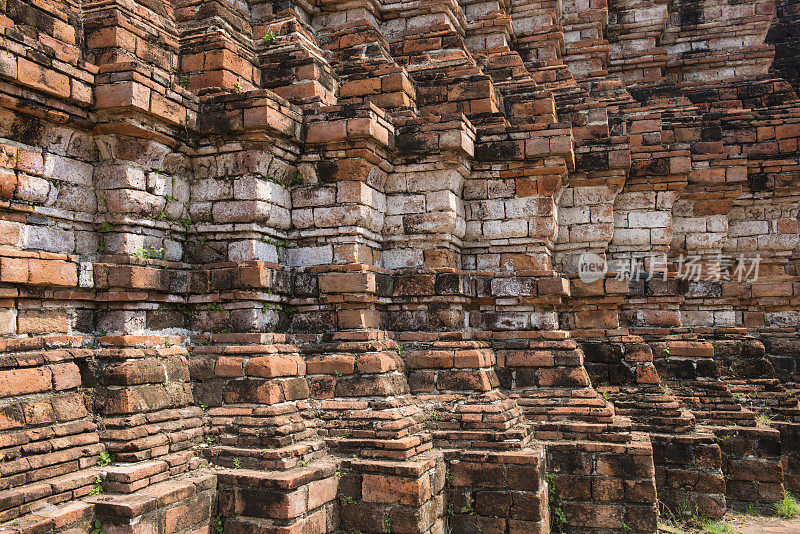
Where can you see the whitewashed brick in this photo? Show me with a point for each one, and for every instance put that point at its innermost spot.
(308, 256)
(402, 258)
(67, 169)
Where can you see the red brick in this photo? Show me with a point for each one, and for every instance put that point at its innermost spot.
(22, 381)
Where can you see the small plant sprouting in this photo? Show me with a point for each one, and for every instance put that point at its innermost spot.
(268, 37)
(98, 486)
(345, 500)
(277, 243)
(337, 374)
(149, 252)
(203, 407)
(387, 524)
(186, 223)
(219, 524)
(170, 198)
(237, 463)
(184, 82)
(97, 527)
(467, 508)
(558, 518)
(209, 440)
(401, 350)
(106, 227)
(302, 463)
(626, 527)
(214, 306)
(238, 87)
(106, 458)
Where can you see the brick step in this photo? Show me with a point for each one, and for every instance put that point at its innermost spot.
(617, 432)
(699, 404)
(316, 522)
(377, 448)
(646, 402)
(744, 415)
(264, 437)
(503, 425)
(266, 458)
(128, 478)
(278, 480)
(563, 400)
(663, 424)
(555, 413)
(22, 500)
(517, 435)
(283, 498)
(651, 409)
(712, 32)
(75, 515)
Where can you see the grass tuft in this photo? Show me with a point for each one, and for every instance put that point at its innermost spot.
(788, 507)
(717, 527)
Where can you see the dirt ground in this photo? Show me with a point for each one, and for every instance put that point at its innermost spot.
(745, 524)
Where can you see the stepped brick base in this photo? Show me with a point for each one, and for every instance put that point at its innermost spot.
(393, 496)
(497, 491)
(299, 500)
(182, 505)
(604, 486)
(689, 476)
(752, 465)
(790, 454)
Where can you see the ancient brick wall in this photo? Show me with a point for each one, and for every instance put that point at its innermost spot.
(292, 266)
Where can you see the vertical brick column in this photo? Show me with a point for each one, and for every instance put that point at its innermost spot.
(347, 189)
(391, 478)
(425, 218)
(51, 444)
(291, 60)
(144, 398)
(496, 470)
(216, 52)
(275, 469)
